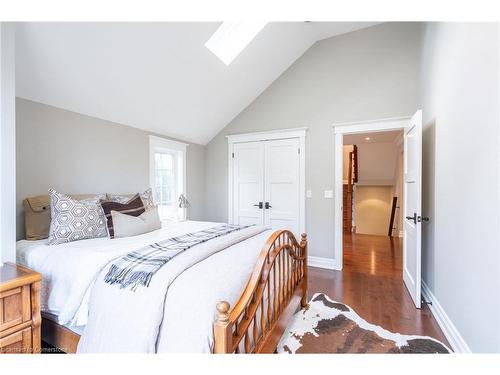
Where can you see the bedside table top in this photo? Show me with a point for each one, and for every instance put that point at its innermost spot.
(14, 275)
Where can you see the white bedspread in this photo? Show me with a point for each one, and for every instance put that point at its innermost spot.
(180, 322)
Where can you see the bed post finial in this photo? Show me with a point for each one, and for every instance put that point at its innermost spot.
(222, 312)
(303, 239)
(222, 328)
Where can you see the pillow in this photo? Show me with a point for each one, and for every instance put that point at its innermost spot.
(134, 207)
(36, 217)
(126, 225)
(37, 214)
(73, 220)
(147, 198)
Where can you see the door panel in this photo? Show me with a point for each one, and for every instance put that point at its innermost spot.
(412, 207)
(281, 184)
(248, 183)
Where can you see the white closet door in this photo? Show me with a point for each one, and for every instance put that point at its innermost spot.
(281, 184)
(248, 183)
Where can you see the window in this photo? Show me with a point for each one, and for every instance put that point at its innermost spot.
(232, 37)
(165, 177)
(168, 176)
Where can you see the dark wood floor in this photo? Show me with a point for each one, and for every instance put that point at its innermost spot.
(371, 282)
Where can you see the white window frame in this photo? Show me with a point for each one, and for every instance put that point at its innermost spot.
(178, 150)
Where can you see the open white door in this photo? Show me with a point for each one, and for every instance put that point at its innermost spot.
(413, 207)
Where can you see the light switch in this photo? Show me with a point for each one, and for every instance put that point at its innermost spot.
(329, 194)
(309, 194)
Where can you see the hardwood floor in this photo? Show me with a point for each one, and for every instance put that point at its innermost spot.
(372, 284)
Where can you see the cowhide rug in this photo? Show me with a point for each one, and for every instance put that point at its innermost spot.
(332, 327)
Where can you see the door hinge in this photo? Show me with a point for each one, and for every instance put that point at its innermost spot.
(233, 155)
(299, 150)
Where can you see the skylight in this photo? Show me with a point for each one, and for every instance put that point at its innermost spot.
(232, 37)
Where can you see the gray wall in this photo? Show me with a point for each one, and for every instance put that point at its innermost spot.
(76, 154)
(461, 187)
(364, 75)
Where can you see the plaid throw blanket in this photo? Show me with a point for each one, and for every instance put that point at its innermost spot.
(138, 267)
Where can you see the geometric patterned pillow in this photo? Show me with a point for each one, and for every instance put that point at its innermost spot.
(73, 220)
(147, 198)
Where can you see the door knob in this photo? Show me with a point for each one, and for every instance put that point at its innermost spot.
(260, 205)
(268, 206)
(414, 218)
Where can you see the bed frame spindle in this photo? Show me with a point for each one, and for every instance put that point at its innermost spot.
(273, 293)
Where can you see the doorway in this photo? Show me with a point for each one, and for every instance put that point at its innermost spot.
(372, 203)
(373, 183)
(410, 205)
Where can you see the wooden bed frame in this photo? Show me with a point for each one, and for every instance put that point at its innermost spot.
(276, 289)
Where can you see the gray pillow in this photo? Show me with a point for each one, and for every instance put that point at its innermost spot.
(73, 220)
(146, 197)
(127, 225)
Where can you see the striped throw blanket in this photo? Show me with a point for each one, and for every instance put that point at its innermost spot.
(138, 267)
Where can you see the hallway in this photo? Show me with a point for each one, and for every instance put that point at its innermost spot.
(371, 283)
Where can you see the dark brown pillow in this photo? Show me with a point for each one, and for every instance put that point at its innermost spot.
(133, 207)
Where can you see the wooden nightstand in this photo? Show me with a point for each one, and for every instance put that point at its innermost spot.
(19, 309)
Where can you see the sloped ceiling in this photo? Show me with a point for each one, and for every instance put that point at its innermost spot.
(156, 76)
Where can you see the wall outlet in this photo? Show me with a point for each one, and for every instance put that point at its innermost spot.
(329, 194)
(309, 194)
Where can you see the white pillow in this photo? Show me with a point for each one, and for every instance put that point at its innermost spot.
(127, 225)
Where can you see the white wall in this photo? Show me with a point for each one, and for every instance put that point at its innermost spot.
(372, 209)
(461, 177)
(377, 163)
(364, 75)
(7, 145)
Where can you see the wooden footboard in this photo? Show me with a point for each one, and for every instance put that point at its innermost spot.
(277, 287)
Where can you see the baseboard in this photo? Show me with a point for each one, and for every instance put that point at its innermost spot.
(326, 263)
(451, 332)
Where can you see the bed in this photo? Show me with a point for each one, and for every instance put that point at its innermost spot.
(237, 298)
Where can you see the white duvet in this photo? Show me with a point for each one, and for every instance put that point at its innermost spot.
(185, 324)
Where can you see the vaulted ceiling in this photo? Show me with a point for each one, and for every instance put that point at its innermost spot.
(156, 76)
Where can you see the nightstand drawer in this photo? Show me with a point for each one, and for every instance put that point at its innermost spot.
(17, 343)
(15, 307)
(19, 309)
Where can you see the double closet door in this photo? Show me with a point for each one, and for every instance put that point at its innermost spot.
(266, 184)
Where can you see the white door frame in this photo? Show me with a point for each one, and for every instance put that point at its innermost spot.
(340, 129)
(299, 133)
